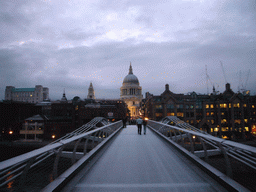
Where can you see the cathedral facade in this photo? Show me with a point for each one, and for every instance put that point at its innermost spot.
(130, 93)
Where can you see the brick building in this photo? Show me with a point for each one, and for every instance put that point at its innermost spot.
(226, 114)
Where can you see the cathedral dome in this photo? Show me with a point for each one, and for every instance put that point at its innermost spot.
(130, 78)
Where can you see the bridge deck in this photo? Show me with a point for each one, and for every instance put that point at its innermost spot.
(142, 163)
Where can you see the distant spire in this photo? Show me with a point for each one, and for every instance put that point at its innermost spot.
(64, 99)
(130, 70)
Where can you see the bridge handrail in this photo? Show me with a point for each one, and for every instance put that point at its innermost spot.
(219, 140)
(18, 166)
(10, 162)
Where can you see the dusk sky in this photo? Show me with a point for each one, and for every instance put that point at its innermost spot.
(69, 43)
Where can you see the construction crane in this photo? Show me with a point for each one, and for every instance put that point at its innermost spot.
(223, 72)
(208, 79)
(243, 86)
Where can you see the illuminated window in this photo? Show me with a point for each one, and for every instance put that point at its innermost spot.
(159, 114)
(159, 107)
(191, 122)
(179, 114)
(245, 120)
(224, 129)
(212, 106)
(245, 105)
(229, 105)
(211, 129)
(207, 114)
(187, 121)
(222, 113)
(237, 121)
(170, 114)
(246, 128)
(237, 105)
(223, 120)
(252, 106)
(216, 129)
(207, 106)
(212, 121)
(224, 105)
(212, 113)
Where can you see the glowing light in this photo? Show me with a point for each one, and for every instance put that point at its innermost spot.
(53, 136)
(10, 132)
(194, 136)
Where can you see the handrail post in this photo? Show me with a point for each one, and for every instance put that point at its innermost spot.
(74, 151)
(205, 149)
(228, 165)
(25, 171)
(56, 162)
(191, 143)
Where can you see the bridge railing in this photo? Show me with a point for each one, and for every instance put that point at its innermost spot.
(20, 169)
(204, 145)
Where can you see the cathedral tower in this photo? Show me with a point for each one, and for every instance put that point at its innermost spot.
(91, 94)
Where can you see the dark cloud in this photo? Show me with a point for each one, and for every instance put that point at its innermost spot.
(59, 44)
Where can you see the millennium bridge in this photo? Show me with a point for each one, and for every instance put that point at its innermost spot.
(103, 156)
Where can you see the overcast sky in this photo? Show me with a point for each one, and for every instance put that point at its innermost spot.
(69, 43)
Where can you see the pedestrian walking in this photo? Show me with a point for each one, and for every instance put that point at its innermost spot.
(139, 124)
(145, 122)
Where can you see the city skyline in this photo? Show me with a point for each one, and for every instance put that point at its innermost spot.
(68, 44)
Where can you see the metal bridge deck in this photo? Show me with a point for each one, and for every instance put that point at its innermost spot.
(142, 163)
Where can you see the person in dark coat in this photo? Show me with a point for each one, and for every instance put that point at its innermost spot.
(145, 122)
(124, 122)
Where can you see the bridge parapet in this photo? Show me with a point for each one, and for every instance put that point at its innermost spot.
(204, 145)
(20, 170)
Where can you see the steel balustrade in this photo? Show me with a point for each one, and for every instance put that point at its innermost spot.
(211, 145)
(86, 137)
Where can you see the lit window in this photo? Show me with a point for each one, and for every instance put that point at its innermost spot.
(207, 114)
(191, 122)
(159, 106)
(237, 105)
(212, 106)
(246, 128)
(159, 114)
(252, 106)
(245, 105)
(237, 121)
(212, 113)
(180, 114)
(222, 113)
(223, 105)
(245, 120)
(207, 106)
(229, 105)
(223, 120)
(224, 129)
